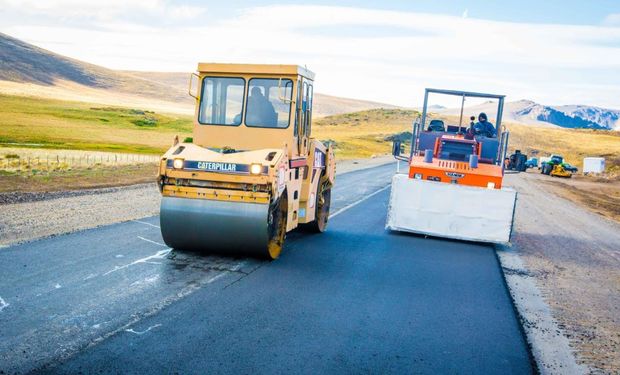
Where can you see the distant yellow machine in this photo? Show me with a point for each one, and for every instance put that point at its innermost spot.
(252, 171)
(559, 171)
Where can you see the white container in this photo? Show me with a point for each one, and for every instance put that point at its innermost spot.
(593, 165)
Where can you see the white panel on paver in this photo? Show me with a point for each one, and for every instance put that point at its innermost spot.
(451, 211)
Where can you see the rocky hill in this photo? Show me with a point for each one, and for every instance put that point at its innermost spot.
(532, 113)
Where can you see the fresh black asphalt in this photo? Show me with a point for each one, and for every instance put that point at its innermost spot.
(356, 299)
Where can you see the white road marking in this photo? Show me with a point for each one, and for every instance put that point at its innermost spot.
(343, 209)
(145, 223)
(159, 255)
(151, 241)
(142, 332)
(3, 304)
(189, 289)
(90, 276)
(218, 276)
(57, 286)
(237, 266)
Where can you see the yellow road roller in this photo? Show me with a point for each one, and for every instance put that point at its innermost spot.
(251, 173)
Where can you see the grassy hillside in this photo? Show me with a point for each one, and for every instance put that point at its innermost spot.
(366, 133)
(72, 125)
(47, 123)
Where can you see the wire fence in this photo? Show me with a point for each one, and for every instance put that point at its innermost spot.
(38, 162)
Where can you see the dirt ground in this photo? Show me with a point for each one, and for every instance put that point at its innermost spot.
(75, 179)
(574, 255)
(599, 195)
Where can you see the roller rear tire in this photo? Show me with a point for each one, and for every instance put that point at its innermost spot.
(278, 215)
(323, 202)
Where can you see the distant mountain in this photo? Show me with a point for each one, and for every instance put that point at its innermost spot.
(21, 62)
(32, 71)
(532, 113)
(606, 118)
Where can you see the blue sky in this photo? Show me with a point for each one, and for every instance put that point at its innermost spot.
(572, 12)
(553, 52)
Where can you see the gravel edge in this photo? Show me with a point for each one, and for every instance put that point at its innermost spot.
(24, 197)
(548, 343)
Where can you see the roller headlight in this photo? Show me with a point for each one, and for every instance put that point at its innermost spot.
(256, 168)
(417, 176)
(491, 185)
(178, 163)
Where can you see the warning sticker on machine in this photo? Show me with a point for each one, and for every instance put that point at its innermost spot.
(319, 159)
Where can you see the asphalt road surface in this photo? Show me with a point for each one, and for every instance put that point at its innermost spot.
(355, 299)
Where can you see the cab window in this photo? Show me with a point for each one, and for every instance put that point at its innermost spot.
(304, 109)
(297, 109)
(269, 103)
(221, 101)
(309, 113)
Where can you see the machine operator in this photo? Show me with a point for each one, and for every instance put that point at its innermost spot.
(260, 110)
(482, 127)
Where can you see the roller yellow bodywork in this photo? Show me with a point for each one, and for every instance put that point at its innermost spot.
(255, 178)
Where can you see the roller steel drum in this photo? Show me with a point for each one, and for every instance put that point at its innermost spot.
(228, 228)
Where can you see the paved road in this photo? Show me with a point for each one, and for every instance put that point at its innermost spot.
(355, 299)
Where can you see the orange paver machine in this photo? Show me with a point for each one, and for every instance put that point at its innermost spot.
(454, 187)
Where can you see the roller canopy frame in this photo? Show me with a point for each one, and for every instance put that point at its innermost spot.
(503, 136)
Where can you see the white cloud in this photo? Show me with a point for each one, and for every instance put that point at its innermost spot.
(70, 7)
(109, 10)
(534, 61)
(612, 20)
(182, 12)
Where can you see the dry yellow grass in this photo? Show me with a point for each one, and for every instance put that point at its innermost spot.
(363, 134)
(72, 125)
(573, 144)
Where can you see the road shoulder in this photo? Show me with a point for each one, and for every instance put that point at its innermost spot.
(563, 271)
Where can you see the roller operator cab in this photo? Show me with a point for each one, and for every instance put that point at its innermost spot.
(252, 172)
(454, 183)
